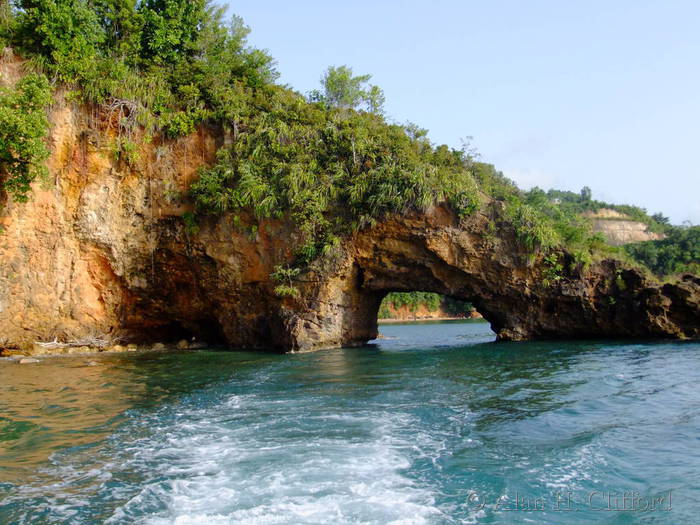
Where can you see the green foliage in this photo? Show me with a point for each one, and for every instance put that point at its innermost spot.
(494, 183)
(122, 25)
(7, 24)
(414, 300)
(286, 291)
(586, 194)
(552, 269)
(619, 281)
(331, 170)
(285, 276)
(165, 65)
(170, 29)
(542, 224)
(65, 35)
(457, 308)
(532, 227)
(181, 123)
(384, 311)
(23, 126)
(578, 203)
(126, 151)
(190, 220)
(174, 63)
(342, 89)
(661, 219)
(678, 253)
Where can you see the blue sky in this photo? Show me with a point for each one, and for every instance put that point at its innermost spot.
(555, 93)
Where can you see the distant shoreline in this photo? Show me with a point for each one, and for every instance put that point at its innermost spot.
(428, 319)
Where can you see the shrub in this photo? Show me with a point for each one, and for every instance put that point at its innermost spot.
(285, 276)
(331, 170)
(23, 126)
(552, 269)
(286, 291)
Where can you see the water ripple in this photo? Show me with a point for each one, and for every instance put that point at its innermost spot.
(434, 425)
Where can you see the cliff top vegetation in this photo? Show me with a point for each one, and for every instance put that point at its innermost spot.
(330, 160)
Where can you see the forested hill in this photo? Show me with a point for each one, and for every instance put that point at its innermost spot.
(677, 252)
(330, 160)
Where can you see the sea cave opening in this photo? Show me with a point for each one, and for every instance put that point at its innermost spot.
(414, 316)
(416, 306)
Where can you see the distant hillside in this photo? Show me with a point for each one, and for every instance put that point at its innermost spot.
(620, 229)
(582, 203)
(423, 305)
(651, 240)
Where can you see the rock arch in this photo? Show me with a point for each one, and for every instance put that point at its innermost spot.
(435, 252)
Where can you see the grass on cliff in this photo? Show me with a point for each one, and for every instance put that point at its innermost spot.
(330, 161)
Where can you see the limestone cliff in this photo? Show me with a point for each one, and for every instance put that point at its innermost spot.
(101, 251)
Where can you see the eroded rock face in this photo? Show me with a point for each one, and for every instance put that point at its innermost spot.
(102, 252)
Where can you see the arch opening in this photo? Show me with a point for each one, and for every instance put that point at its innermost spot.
(424, 306)
(397, 304)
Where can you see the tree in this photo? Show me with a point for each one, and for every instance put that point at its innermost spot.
(6, 23)
(678, 252)
(223, 57)
(171, 28)
(341, 89)
(586, 194)
(122, 24)
(65, 34)
(660, 218)
(415, 132)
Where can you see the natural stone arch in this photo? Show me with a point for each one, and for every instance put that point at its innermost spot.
(482, 262)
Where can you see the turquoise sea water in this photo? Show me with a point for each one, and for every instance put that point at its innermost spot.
(433, 424)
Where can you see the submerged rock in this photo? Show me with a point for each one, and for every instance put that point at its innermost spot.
(28, 361)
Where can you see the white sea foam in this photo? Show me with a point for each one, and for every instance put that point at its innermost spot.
(570, 474)
(206, 468)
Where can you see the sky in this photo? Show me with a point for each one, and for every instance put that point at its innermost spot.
(560, 94)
